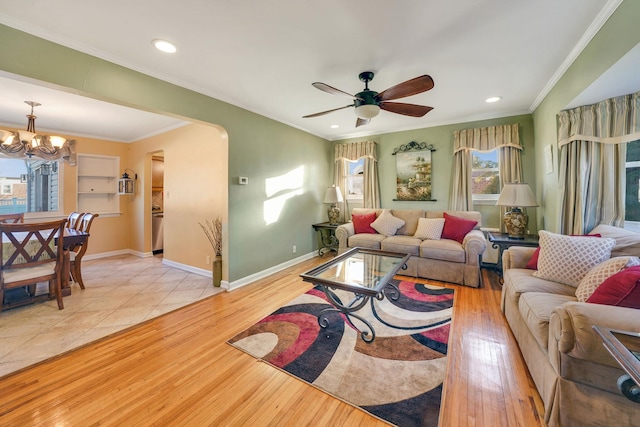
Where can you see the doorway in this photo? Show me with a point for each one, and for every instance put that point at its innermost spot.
(157, 203)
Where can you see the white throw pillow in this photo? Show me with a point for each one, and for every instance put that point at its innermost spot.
(387, 224)
(567, 259)
(429, 228)
(602, 272)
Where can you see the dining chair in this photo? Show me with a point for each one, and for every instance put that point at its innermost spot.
(73, 218)
(30, 255)
(16, 218)
(77, 251)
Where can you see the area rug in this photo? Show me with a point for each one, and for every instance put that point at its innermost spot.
(397, 377)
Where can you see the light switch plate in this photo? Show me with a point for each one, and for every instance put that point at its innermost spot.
(243, 180)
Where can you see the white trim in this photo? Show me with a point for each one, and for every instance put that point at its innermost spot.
(264, 273)
(189, 268)
(593, 29)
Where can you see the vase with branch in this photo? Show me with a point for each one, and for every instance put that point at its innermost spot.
(213, 230)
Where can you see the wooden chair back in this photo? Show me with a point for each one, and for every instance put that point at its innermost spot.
(78, 251)
(29, 255)
(17, 218)
(73, 218)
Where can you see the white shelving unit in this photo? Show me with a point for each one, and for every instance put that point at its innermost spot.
(98, 184)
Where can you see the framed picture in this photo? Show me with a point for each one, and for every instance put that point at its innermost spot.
(548, 159)
(413, 172)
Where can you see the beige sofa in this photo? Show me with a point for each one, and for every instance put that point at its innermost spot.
(444, 260)
(573, 372)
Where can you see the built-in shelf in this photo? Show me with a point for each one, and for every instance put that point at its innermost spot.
(98, 184)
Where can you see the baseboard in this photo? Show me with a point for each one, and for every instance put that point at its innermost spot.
(264, 273)
(229, 286)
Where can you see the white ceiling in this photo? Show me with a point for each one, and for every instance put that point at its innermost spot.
(263, 56)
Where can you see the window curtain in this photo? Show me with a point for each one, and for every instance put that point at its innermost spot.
(352, 151)
(506, 138)
(44, 151)
(592, 176)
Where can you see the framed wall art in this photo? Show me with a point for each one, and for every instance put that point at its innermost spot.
(414, 171)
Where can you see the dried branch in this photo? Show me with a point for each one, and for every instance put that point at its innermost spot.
(213, 230)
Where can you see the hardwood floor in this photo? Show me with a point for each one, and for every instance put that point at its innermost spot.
(178, 370)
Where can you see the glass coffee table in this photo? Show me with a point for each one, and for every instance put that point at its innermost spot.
(365, 273)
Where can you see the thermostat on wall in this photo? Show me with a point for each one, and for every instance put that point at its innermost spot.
(243, 180)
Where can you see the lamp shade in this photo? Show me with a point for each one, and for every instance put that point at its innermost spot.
(517, 195)
(333, 195)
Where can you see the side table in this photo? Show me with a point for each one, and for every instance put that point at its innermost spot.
(326, 234)
(502, 241)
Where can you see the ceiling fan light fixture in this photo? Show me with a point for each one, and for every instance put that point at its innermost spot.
(367, 111)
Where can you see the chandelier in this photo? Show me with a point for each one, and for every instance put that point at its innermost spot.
(28, 142)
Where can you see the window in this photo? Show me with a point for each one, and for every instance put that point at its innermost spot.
(485, 177)
(632, 198)
(30, 186)
(355, 180)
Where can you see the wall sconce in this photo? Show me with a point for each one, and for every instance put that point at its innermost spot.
(126, 184)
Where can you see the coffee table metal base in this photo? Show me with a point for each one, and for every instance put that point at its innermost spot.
(349, 310)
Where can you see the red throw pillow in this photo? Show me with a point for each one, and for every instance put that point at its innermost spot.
(455, 228)
(362, 223)
(621, 289)
(533, 262)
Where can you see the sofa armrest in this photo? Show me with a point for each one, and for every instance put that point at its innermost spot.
(343, 232)
(517, 257)
(570, 330)
(474, 245)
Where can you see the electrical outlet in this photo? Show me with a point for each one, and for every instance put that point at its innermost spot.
(294, 249)
(208, 259)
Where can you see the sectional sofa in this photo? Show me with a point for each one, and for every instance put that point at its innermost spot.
(432, 257)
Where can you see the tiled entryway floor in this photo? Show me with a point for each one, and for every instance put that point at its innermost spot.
(120, 292)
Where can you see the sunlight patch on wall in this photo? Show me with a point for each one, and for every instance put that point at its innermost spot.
(291, 182)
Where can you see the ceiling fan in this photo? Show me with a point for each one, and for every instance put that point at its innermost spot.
(368, 103)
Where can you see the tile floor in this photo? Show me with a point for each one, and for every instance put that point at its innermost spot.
(120, 291)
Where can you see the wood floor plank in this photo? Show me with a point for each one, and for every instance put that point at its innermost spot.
(178, 370)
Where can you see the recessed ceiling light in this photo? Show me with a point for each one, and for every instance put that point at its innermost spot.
(164, 46)
(493, 99)
(334, 126)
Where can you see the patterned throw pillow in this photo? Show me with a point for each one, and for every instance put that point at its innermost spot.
(567, 259)
(602, 272)
(387, 224)
(429, 228)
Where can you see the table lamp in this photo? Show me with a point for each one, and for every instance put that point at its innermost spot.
(516, 196)
(333, 196)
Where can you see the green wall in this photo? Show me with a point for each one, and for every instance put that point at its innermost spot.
(442, 159)
(619, 35)
(259, 148)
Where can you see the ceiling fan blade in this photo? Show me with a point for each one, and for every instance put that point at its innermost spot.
(329, 89)
(361, 122)
(326, 112)
(408, 88)
(406, 109)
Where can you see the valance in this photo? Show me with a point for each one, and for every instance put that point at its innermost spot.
(352, 151)
(487, 139)
(612, 121)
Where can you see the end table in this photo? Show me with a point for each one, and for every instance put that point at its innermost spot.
(326, 234)
(502, 241)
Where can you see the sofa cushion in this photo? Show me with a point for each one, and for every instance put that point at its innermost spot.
(535, 309)
(444, 250)
(602, 272)
(403, 244)
(366, 240)
(567, 259)
(429, 228)
(621, 289)
(387, 224)
(627, 242)
(455, 227)
(362, 222)
(522, 281)
(410, 218)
